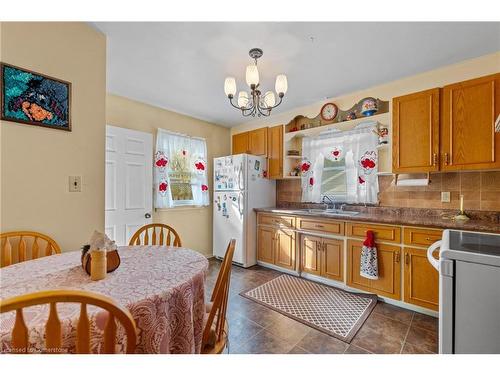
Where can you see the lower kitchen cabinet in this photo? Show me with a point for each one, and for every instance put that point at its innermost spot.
(276, 246)
(388, 283)
(322, 257)
(421, 280)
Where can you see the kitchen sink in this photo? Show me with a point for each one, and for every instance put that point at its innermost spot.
(332, 211)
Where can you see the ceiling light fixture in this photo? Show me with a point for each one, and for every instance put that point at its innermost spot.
(255, 103)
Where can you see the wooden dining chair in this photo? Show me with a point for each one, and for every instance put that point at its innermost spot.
(25, 245)
(215, 332)
(53, 327)
(161, 234)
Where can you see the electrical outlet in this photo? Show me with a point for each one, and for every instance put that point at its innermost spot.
(75, 184)
(445, 197)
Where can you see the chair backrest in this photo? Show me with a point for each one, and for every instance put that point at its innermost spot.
(24, 245)
(161, 234)
(53, 328)
(219, 298)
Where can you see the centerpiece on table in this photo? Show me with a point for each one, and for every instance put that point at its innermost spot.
(100, 256)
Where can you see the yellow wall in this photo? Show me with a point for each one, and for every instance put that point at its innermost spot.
(193, 224)
(464, 70)
(36, 161)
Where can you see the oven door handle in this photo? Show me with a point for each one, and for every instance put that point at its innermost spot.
(433, 261)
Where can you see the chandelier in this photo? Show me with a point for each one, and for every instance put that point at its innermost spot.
(255, 103)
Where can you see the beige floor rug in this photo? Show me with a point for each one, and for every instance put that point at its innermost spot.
(330, 310)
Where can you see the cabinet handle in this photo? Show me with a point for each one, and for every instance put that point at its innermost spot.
(324, 247)
(434, 159)
(407, 258)
(397, 258)
(319, 226)
(446, 162)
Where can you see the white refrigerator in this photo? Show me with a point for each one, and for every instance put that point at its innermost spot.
(240, 185)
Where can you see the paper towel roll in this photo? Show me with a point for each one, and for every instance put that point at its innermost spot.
(411, 180)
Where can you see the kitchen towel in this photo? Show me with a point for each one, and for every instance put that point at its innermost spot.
(369, 262)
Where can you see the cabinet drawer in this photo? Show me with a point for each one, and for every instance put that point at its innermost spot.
(316, 225)
(421, 236)
(384, 233)
(288, 221)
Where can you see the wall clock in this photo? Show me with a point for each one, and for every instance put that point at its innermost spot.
(329, 111)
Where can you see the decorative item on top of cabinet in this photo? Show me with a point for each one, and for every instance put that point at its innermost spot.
(388, 283)
(468, 137)
(415, 134)
(275, 152)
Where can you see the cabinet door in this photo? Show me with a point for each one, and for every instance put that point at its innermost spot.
(332, 262)
(467, 127)
(240, 143)
(421, 280)
(284, 255)
(265, 244)
(415, 136)
(257, 141)
(354, 279)
(389, 272)
(275, 152)
(311, 254)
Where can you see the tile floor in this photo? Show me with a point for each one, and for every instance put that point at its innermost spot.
(254, 328)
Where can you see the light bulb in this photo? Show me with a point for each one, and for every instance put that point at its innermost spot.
(269, 99)
(252, 75)
(242, 99)
(281, 84)
(230, 86)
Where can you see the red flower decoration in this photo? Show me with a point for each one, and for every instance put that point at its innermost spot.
(305, 167)
(311, 181)
(199, 166)
(361, 180)
(204, 188)
(163, 186)
(161, 162)
(336, 153)
(367, 163)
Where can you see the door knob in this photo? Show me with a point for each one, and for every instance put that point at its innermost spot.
(147, 215)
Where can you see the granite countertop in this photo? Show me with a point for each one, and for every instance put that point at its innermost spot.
(485, 221)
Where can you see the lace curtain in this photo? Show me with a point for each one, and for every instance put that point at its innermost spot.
(180, 170)
(358, 148)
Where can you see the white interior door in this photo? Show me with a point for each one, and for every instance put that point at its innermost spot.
(129, 182)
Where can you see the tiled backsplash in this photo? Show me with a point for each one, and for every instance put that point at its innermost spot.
(481, 191)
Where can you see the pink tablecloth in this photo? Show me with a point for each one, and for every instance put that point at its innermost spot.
(163, 288)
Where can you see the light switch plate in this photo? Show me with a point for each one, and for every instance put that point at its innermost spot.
(75, 184)
(445, 197)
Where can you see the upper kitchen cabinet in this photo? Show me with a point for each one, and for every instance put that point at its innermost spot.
(415, 122)
(240, 143)
(468, 137)
(253, 142)
(275, 152)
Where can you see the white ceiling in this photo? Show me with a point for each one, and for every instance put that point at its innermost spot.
(181, 66)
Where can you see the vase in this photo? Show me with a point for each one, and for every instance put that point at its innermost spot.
(98, 267)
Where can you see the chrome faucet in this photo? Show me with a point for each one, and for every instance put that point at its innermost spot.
(332, 203)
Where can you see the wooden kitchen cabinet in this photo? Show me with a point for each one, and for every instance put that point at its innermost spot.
(284, 248)
(257, 142)
(415, 135)
(388, 283)
(469, 110)
(275, 152)
(311, 254)
(241, 143)
(421, 280)
(252, 142)
(265, 244)
(322, 257)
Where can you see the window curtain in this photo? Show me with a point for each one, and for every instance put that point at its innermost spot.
(359, 149)
(175, 152)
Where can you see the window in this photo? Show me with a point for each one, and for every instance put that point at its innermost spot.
(180, 170)
(333, 181)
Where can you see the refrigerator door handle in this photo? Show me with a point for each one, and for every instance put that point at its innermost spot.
(239, 204)
(240, 177)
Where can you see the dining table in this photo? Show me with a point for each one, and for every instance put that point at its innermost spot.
(163, 287)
